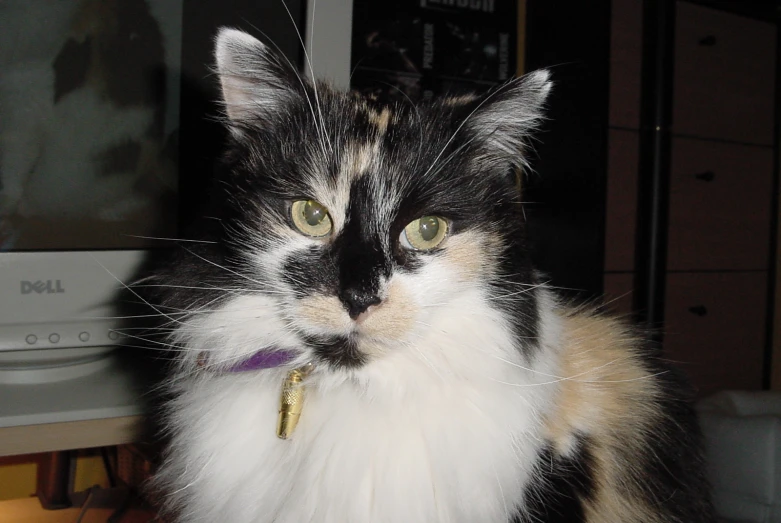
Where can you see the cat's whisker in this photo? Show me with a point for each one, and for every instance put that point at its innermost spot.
(190, 329)
(159, 343)
(256, 282)
(319, 122)
(527, 290)
(153, 349)
(575, 377)
(151, 329)
(130, 316)
(160, 238)
(314, 80)
(190, 287)
(628, 380)
(232, 291)
(517, 365)
(129, 289)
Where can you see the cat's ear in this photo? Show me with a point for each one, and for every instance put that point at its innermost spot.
(256, 82)
(504, 120)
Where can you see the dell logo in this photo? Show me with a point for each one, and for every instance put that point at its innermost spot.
(42, 287)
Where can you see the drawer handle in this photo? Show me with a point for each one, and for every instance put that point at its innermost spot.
(707, 176)
(699, 310)
(708, 41)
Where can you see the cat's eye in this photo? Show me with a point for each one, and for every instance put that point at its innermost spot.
(424, 233)
(311, 218)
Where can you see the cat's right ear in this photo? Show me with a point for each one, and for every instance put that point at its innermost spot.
(257, 83)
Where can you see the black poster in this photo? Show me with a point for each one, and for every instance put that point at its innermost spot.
(422, 48)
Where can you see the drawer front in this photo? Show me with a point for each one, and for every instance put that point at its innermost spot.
(715, 328)
(720, 201)
(724, 76)
(621, 200)
(618, 293)
(626, 51)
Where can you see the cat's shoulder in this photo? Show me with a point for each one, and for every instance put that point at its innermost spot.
(612, 381)
(625, 414)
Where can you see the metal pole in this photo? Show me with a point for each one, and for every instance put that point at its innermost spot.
(654, 175)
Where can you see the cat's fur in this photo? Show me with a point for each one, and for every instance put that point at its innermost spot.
(469, 394)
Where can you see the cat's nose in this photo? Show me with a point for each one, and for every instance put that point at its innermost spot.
(357, 301)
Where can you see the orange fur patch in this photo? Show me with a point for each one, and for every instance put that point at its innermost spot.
(356, 159)
(607, 394)
(380, 120)
(324, 311)
(394, 317)
(472, 253)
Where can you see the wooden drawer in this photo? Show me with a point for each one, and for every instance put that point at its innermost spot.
(626, 49)
(715, 328)
(720, 201)
(618, 292)
(621, 200)
(724, 76)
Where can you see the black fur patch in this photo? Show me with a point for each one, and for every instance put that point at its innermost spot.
(311, 271)
(673, 467)
(338, 352)
(560, 485)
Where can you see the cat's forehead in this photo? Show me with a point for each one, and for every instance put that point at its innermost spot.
(366, 173)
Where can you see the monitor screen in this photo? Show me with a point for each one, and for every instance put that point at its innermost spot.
(89, 123)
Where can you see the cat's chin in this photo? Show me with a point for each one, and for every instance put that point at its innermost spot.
(348, 352)
(338, 352)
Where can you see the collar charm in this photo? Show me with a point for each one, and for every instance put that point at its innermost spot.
(291, 397)
(291, 400)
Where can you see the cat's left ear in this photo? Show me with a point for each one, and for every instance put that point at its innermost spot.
(257, 83)
(505, 119)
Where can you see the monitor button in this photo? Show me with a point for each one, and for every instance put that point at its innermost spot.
(84, 336)
(31, 339)
(113, 335)
(54, 338)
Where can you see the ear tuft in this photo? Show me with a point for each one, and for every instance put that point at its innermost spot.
(507, 116)
(256, 82)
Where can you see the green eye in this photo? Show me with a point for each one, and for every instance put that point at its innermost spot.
(311, 218)
(424, 233)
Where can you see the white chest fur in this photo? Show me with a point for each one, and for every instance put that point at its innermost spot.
(452, 440)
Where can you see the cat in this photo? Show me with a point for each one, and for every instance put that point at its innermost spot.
(380, 249)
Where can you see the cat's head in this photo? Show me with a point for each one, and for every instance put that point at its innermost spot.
(374, 227)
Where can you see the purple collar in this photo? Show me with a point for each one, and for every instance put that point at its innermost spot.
(264, 359)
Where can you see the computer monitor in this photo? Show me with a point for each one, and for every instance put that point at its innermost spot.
(107, 130)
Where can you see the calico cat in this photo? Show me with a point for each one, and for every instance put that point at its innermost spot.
(379, 249)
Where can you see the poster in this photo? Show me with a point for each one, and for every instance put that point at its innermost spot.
(425, 48)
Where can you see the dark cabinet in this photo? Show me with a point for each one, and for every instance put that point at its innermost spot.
(721, 189)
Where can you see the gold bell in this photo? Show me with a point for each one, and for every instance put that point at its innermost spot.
(291, 401)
